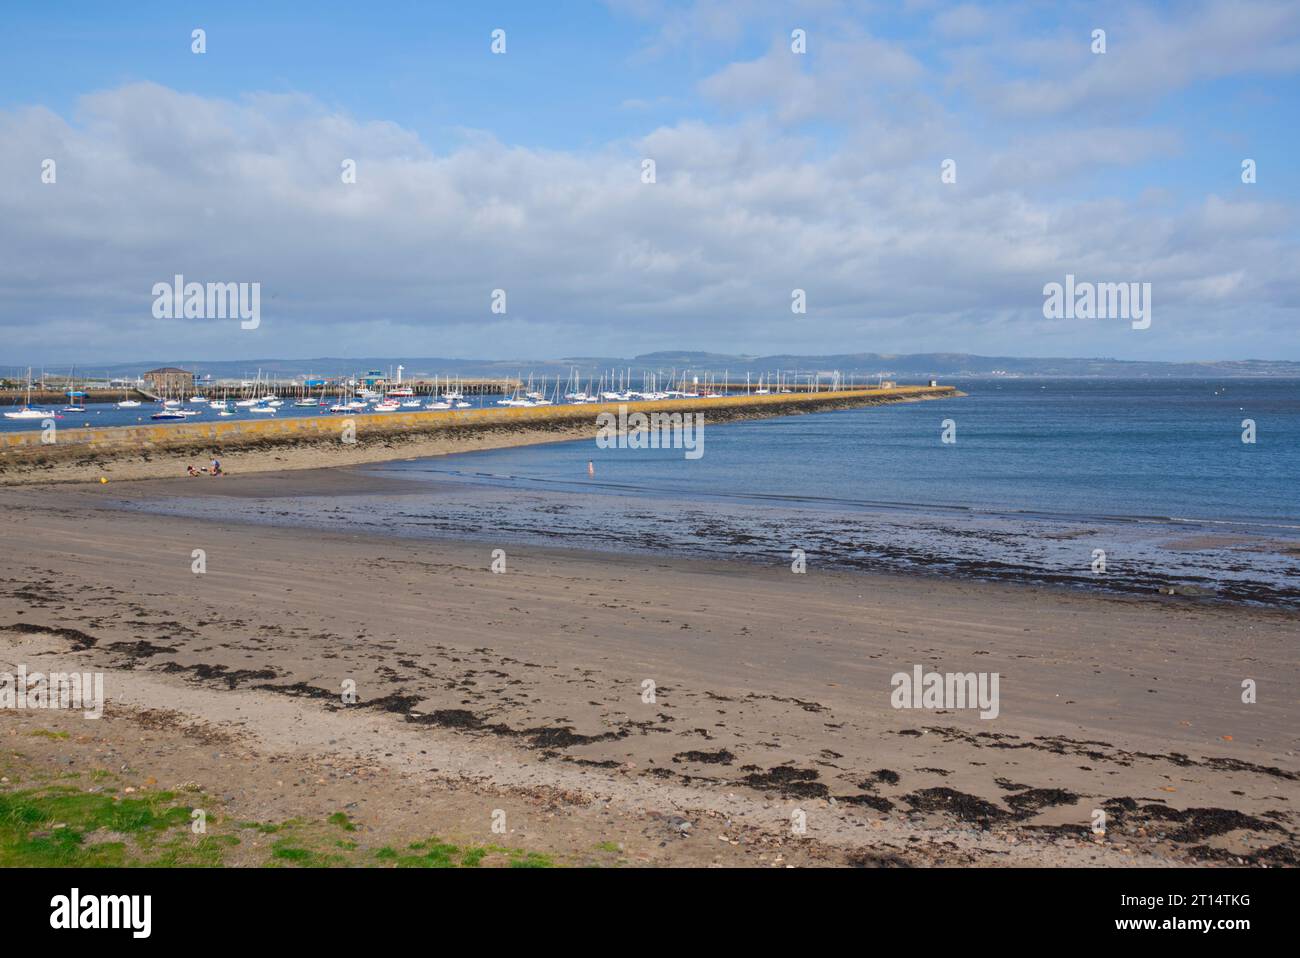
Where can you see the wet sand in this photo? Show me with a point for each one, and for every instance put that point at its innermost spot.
(771, 693)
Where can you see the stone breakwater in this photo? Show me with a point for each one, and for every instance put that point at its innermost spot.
(306, 442)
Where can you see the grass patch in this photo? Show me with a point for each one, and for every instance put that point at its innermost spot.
(473, 857)
(288, 851)
(342, 821)
(50, 827)
(434, 853)
(208, 852)
(53, 824)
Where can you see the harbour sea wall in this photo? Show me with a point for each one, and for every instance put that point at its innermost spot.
(303, 442)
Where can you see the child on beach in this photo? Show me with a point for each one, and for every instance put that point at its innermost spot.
(191, 470)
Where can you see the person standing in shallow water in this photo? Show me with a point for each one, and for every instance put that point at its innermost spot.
(591, 467)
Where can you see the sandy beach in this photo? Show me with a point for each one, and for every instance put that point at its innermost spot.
(769, 737)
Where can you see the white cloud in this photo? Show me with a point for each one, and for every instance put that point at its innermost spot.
(153, 182)
(1148, 56)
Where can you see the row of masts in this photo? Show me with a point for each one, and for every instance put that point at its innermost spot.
(687, 383)
(611, 382)
(608, 382)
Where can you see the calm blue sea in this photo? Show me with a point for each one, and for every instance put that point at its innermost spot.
(1165, 449)
(1041, 476)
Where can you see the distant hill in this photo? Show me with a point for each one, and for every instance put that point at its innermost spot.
(911, 366)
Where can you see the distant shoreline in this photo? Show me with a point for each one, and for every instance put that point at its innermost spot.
(862, 367)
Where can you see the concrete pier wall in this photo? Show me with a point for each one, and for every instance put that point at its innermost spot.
(320, 439)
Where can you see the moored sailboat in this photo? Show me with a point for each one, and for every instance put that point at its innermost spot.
(26, 411)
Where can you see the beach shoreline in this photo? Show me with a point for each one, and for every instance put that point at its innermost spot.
(437, 499)
(772, 693)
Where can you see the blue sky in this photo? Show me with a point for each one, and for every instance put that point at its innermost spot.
(570, 65)
(774, 171)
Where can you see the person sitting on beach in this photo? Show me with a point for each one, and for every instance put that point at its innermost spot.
(191, 470)
(215, 468)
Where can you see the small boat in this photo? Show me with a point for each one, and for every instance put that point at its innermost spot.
(438, 405)
(387, 406)
(411, 404)
(127, 402)
(304, 402)
(262, 409)
(197, 398)
(26, 411)
(462, 405)
(168, 414)
(225, 412)
(171, 403)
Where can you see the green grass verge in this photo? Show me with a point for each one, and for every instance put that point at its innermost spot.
(48, 822)
(60, 827)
